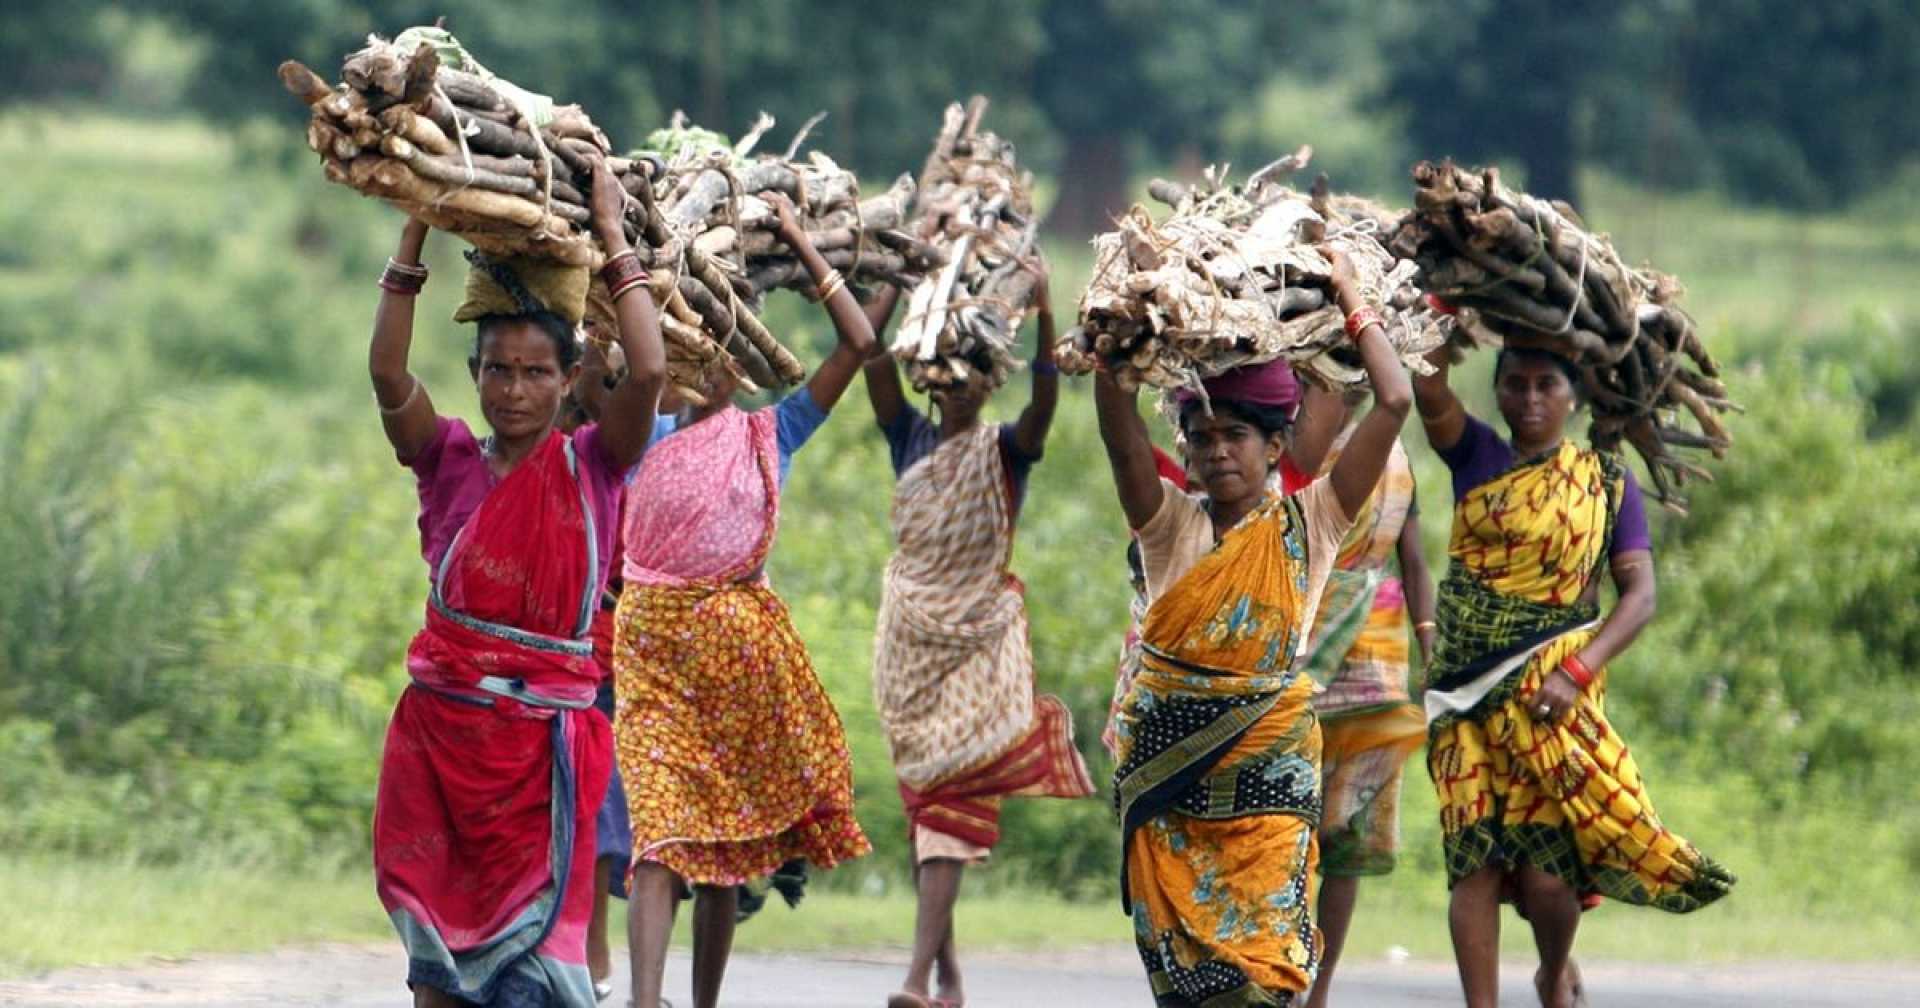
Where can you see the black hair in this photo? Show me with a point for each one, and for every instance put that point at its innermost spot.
(1536, 355)
(566, 349)
(1270, 420)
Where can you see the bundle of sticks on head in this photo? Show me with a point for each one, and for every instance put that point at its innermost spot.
(1235, 275)
(1525, 272)
(421, 124)
(963, 320)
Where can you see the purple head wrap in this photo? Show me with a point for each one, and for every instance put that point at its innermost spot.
(1270, 384)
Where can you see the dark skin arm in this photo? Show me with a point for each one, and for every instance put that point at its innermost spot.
(627, 412)
(406, 411)
(1633, 578)
(1358, 471)
(1030, 433)
(883, 375)
(1417, 581)
(1323, 412)
(1441, 411)
(850, 321)
(1129, 450)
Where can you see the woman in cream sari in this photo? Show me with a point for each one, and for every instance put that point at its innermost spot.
(953, 671)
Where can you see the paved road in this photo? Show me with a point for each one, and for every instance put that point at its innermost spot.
(361, 976)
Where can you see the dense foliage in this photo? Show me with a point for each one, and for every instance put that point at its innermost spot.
(211, 568)
(1794, 104)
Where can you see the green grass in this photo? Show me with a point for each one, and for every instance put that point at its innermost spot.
(68, 913)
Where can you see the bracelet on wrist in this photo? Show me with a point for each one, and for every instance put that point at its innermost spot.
(1360, 318)
(1576, 670)
(829, 286)
(405, 279)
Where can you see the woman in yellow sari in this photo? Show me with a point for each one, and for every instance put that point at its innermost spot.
(1218, 785)
(1539, 797)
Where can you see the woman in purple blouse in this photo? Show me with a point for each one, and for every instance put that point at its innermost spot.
(1539, 797)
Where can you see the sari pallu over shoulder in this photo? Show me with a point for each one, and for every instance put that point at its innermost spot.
(1525, 551)
(494, 762)
(1218, 784)
(1567, 796)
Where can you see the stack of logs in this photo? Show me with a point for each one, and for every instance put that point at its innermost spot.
(1234, 277)
(1525, 272)
(964, 319)
(445, 144)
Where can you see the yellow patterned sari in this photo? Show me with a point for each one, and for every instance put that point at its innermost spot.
(1519, 596)
(1218, 783)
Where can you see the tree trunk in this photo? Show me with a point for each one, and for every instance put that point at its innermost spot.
(1093, 186)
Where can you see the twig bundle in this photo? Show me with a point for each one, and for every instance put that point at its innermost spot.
(964, 319)
(420, 124)
(1233, 277)
(1525, 272)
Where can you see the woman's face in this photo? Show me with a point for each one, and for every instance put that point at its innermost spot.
(961, 401)
(1230, 457)
(1535, 398)
(519, 378)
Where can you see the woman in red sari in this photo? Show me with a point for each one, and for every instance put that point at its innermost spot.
(495, 760)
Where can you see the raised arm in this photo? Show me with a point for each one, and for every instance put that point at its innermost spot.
(1365, 455)
(1416, 580)
(850, 322)
(1441, 411)
(1323, 412)
(626, 415)
(1129, 450)
(405, 409)
(883, 375)
(1030, 433)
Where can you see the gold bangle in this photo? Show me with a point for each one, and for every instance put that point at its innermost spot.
(830, 286)
(1425, 625)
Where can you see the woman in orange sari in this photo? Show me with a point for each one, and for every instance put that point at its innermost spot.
(1539, 797)
(1218, 785)
(495, 760)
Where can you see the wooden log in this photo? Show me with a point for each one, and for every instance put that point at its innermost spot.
(714, 314)
(303, 83)
(483, 135)
(379, 69)
(403, 121)
(577, 155)
(1170, 193)
(709, 189)
(471, 91)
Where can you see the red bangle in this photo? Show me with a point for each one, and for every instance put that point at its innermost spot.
(620, 270)
(1577, 670)
(1362, 317)
(641, 279)
(1434, 302)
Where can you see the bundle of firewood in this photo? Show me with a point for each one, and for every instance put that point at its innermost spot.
(1233, 277)
(965, 318)
(716, 192)
(420, 124)
(1523, 271)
